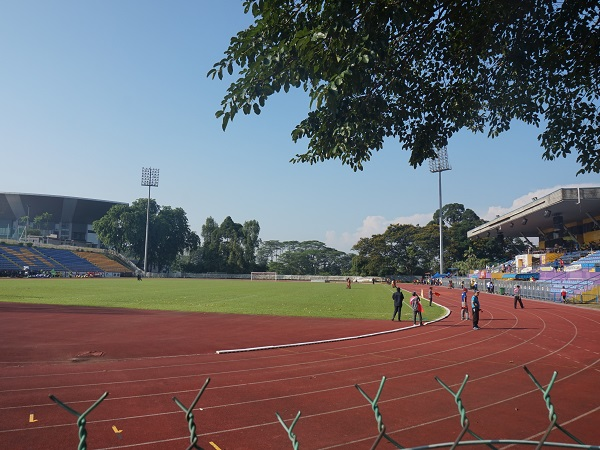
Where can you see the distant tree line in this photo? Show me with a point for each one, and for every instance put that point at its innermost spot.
(236, 248)
(412, 249)
(307, 258)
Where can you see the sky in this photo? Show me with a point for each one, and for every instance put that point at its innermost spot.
(91, 92)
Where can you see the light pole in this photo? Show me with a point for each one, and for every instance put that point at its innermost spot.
(440, 164)
(27, 224)
(149, 178)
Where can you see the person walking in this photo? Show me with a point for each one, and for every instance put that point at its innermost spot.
(475, 308)
(415, 304)
(398, 297)
(517, 294)
(563, 295)
(464, 305)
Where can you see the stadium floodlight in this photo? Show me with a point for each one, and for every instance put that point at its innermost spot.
(150, 179)
(439, 164)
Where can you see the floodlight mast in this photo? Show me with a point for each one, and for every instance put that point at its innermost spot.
(439, 164)
(149, 178)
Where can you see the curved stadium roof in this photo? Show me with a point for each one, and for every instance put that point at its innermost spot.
(571, 205)
(64, 210)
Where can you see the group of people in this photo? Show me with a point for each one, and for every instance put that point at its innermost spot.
(474, 306)
(415, 304)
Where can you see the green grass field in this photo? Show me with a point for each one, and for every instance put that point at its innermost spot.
(363, 301)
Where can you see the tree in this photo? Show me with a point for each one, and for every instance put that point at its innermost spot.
(171, 236)
(250, 232)
(471, 262)
(210, 259)
(123, 228)
(114, 227)
(268, 251)
(457, 220)
(229, 247)
(421, 71)
(414, 250)
(41, 222)
(306, 258)
(400, 249)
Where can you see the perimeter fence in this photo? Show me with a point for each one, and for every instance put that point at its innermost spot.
(382, 434)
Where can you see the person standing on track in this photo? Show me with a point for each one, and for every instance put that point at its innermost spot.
(517, 294)
(398, 298)
(415, 304)
(430, 295)
(464, 305)
(475, 308)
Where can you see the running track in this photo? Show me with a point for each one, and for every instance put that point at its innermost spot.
(147, 358)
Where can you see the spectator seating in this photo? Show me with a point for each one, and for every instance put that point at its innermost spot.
(573, 287)
(104, 262)
(69, 260)
(23, 256)
(589, 261)
(38, 259)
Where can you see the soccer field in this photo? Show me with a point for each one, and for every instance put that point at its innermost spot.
(363, 301)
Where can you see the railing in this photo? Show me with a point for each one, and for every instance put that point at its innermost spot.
(547, 290)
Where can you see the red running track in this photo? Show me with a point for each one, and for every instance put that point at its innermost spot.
(145, 358)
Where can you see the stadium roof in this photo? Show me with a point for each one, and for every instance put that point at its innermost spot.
(63, 209)
(569, 204)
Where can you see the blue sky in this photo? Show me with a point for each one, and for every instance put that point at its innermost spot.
(92, 91)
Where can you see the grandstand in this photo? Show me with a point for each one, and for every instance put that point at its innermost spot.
(19, 260)
(567, 219)
(69, 218)
(566, 224)
(55, 247)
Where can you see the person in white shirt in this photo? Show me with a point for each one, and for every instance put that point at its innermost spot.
(517, 294)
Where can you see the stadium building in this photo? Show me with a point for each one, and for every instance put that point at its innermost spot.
(566, 219)
(67, 220)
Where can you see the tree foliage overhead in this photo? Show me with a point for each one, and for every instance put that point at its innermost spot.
(420, 71)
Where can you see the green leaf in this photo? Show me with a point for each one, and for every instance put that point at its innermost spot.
(225, 121)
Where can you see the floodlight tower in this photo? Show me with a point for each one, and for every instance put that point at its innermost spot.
(440, 164)
(149, 178)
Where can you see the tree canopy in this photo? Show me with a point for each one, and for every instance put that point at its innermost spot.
(420, 71)
(123, 228)
(308, 257)
(229, 247)
(410, 249)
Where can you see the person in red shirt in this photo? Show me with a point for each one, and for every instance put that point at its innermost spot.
(563, 295)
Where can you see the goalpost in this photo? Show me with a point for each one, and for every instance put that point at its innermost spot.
(263, 276)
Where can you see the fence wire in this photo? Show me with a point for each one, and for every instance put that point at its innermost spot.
(382, 435)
